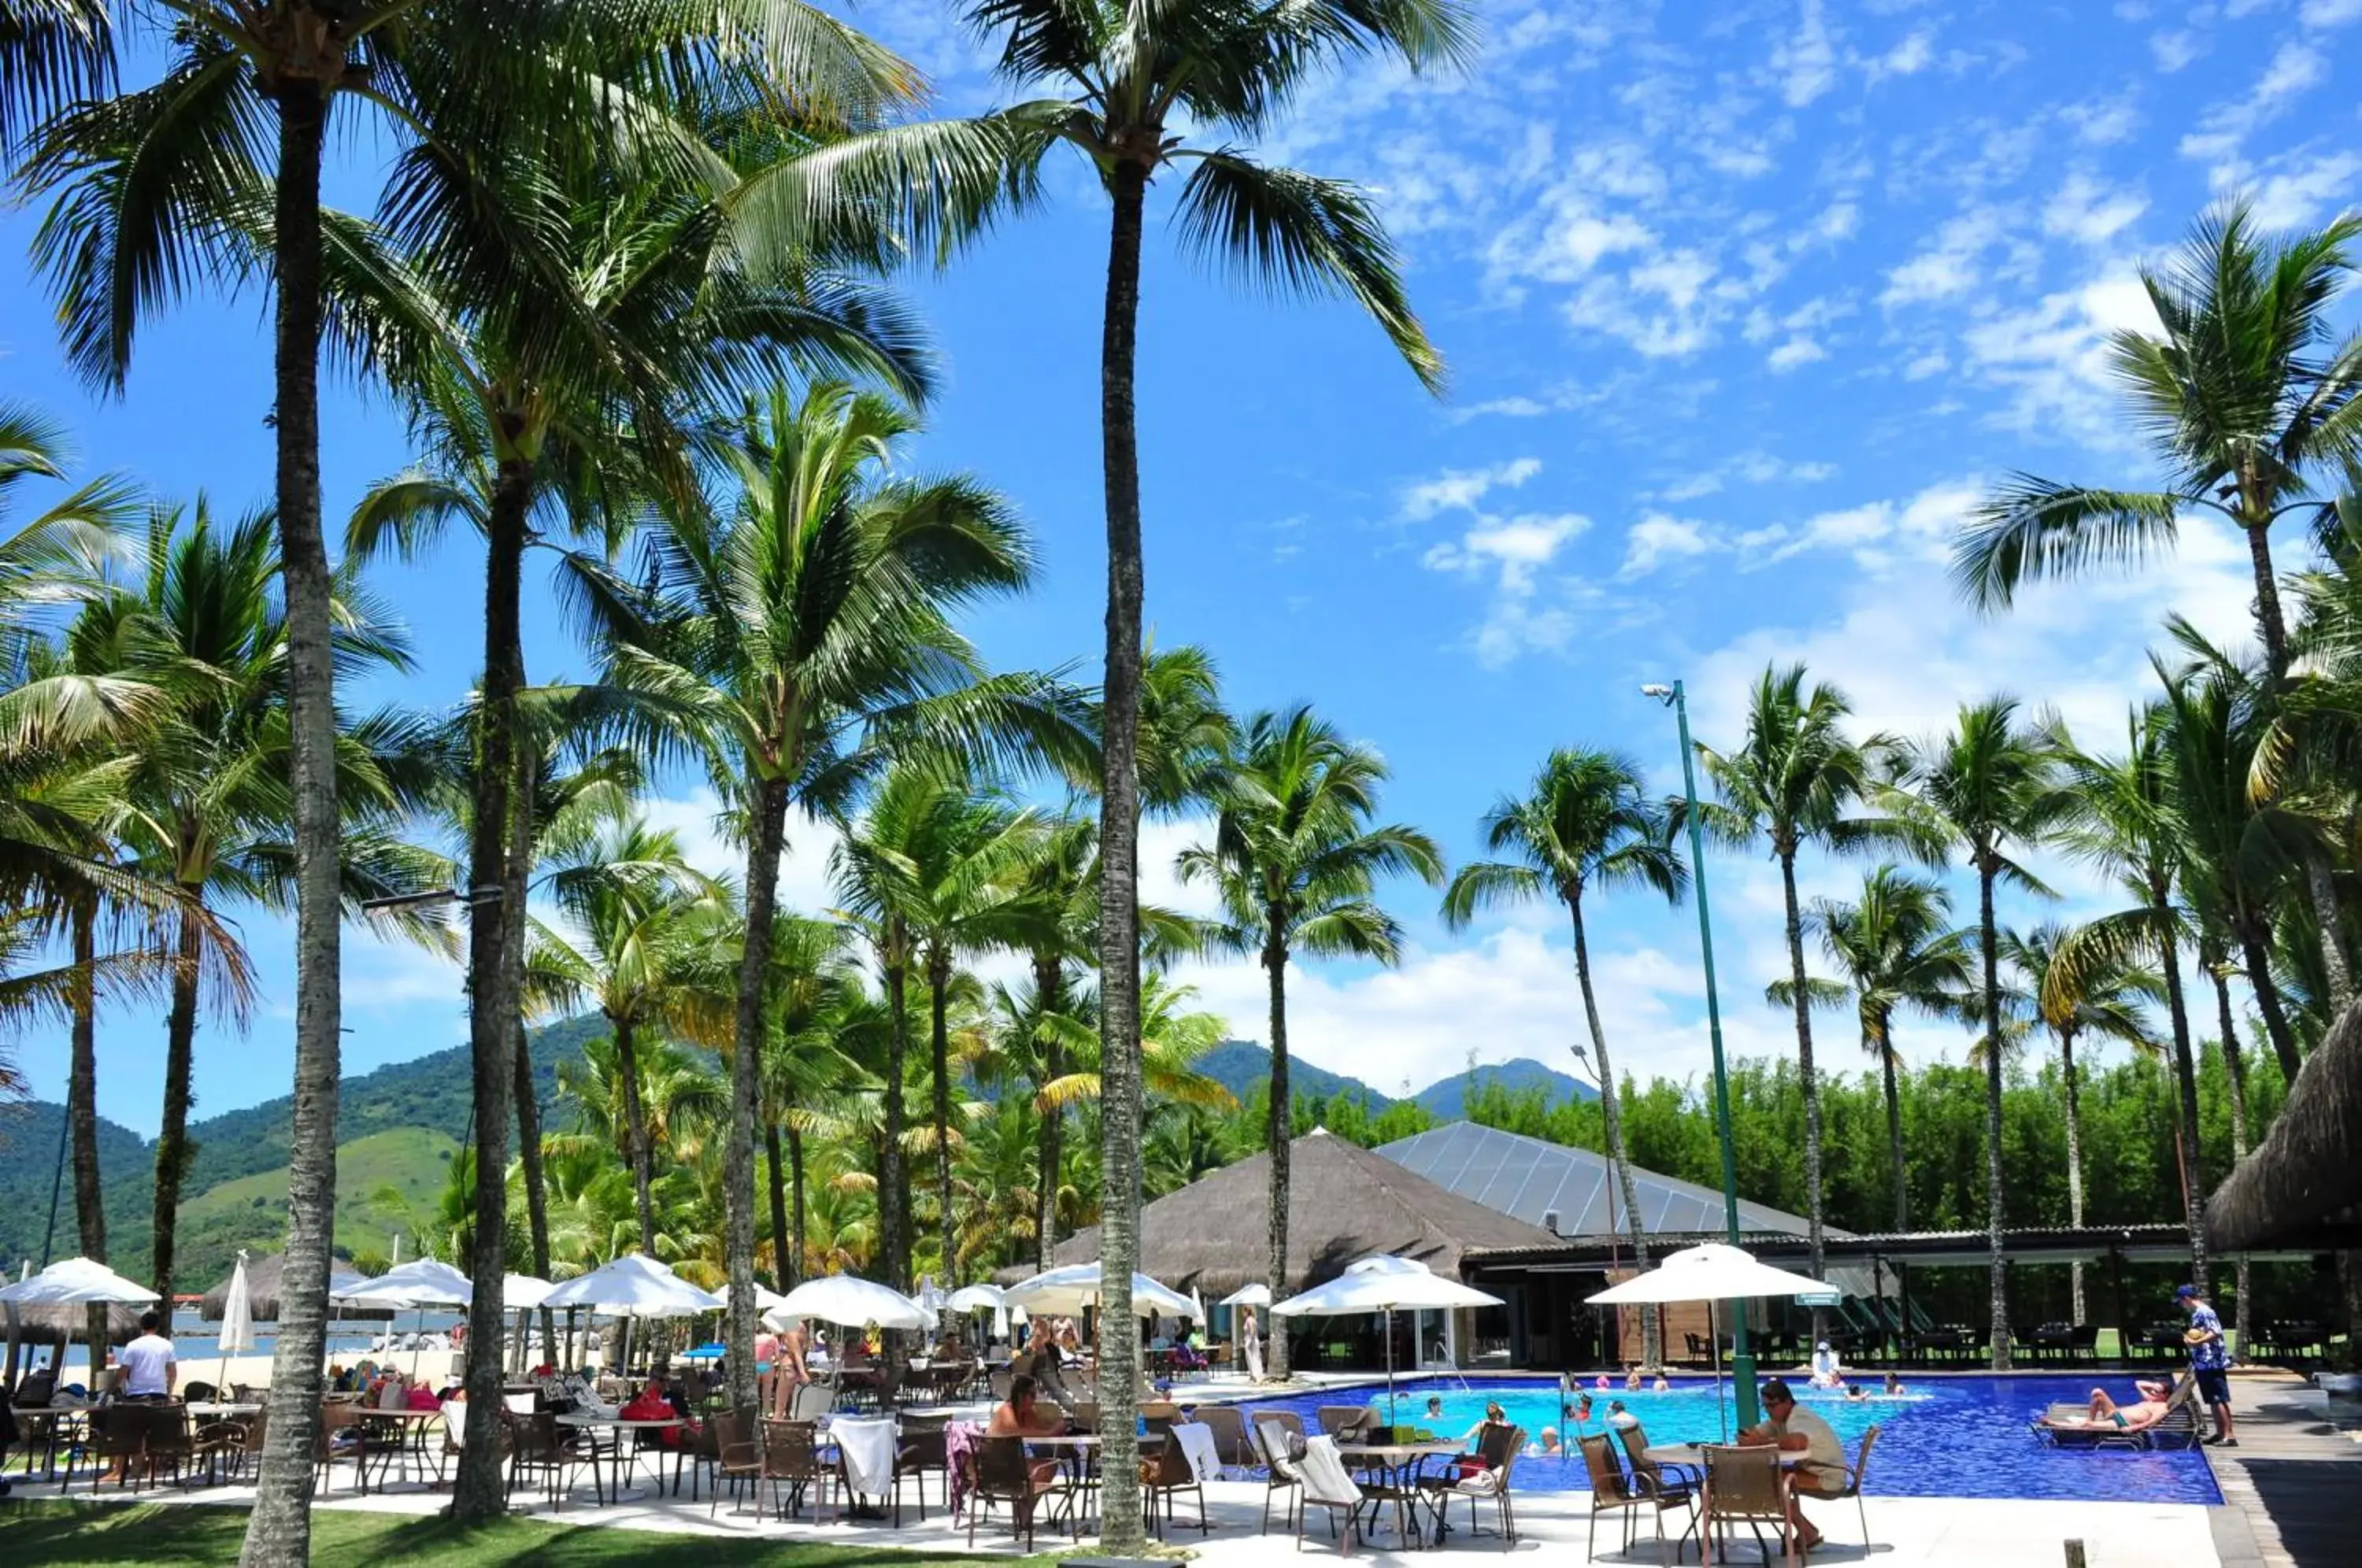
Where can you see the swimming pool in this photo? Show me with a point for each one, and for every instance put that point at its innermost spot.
(1947, 1437)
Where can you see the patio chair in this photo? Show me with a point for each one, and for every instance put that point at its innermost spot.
(540, 1447)
(1165, 1473)
(1742, 1486)
(227, 1447)
(1853, 1476)
(738, 1455)
(1327, 1487)
(1003, 1474)
(169, 1442)
(1230, 1430)
(924, 1449)
(198, 1393)
(340, 1442)
(1500, 1448)
(1613, 1493)
(1273, 1430)
(1675, 1491)
(791, 1456)
(811, 1402)
(1341, 1421)
(118, 1434)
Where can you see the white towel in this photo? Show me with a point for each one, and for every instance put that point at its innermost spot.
(1325, 1480)
(1196, 1440)
(867, 1445)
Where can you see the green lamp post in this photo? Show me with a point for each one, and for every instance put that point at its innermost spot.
(1742, 1358)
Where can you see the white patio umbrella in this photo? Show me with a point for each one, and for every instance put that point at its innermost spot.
(766, 1298)
(1387, 1285)
(1709, 1273)
(634, 1286)
(419, 1283)
(520, 1293)
(851, 1302)
(977, 1298)
(1076, 1288)
(1257, 1295)
(237, 1319)
(78, 1281)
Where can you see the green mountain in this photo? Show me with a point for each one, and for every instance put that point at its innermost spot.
(1242, 1066)
(1444, 1098)
(397, 1127)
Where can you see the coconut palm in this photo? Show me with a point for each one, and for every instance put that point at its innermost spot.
(2110, 1003)
(1295, 862)
(785, 630)
(1582, 826)
(2248, 396)
(1991, 786)
(1895, 949)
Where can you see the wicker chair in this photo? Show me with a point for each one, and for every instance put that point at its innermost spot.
(1273, 1432)
(1165, 1473)
(791, 1459)
(923, 1450)
(118, 1434)
(1851, 1485)
(227, 1447)
(1498, 1448)
(341, 1442)
(737, 1456)
(1671, 1491)
(1611, 1492)
(1231, 1445)
(171, 1443)
(1003, 1474)
(540, 1448)
(1742, 1486)
(1343, 1421)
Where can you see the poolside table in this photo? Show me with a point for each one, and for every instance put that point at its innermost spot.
(1079, 1450)
(1397, 1467)
(621, 1460)
(406, 1426)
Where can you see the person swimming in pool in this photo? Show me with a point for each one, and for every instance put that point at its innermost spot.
(1434, 1408)
(1893, 1387)
(2106, 1414)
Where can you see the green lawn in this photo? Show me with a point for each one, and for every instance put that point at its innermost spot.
(168, 1536)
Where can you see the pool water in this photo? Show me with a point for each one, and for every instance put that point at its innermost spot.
(1946, 1437)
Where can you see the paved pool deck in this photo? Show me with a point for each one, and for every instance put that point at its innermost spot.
(2293, 1489)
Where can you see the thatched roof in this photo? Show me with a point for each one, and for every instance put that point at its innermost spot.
(2306, 1176)
(1344, 1202)
(262, 1292)
(47, 1322)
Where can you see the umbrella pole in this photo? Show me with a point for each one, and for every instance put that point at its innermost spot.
(1390, 1367)
(1713, 1338)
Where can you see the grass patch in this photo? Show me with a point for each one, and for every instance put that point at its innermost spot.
(67, 1535)
(415, 1161)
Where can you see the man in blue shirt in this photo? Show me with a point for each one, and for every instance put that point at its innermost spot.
(2209, 1361)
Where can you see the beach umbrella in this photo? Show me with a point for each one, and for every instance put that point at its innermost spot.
(237, 1319)
(520, 1293)
(851, 1302)
(78, 1281)
(634, 1286)
(419, 1283)
(977, 1298)
(1249, 1295)
(1711, 1273)
(1383, 1285)
(1076, 1288)
(766, 1298)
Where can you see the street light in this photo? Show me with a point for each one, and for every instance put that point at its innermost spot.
(473, 898)
(1742, 1359)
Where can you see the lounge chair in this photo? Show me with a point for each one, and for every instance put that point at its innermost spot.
(1742, 1486)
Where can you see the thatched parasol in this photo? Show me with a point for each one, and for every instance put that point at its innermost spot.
(2306, 1176)
(61, 1322)
(1344, 1203)
(263, 1293)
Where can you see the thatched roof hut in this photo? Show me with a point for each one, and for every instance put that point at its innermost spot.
(2302, 1186)
(1344, 1202)
(262, 1292)
(49, 1323)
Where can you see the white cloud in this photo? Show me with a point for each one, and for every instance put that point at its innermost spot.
(1949, 265)
(2330, 13)
(1805, 62)
(2294, 68)
(1910, 56)
(1798, 350)
(1462, 489)
(1921, 366)
(2103, 123)
(1511, 548)
(2052, 356)
(2297, 195)
(2090, 213)
(2175, 50)
(1650, 541)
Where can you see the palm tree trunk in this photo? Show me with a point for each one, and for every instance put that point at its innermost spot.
(2267, 992)
(1809, 1082)
(1278, 1133)
(1121, 1107)
(2321, 887)
(782, 1271)
(278, 1531)
(770, 829)
(796, 1183)
(172, 1150)
(939, 990)
(2235, 1069)
(893, 1213)
(1611, 1118)
(536, 1186)
(1883, 1050)
(2074, 1162)
(479, 1490)
(1996, 1215)
(636, 1131)
(1049, 984)
(82, 1111)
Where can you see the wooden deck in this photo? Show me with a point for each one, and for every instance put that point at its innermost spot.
(2289, 1489)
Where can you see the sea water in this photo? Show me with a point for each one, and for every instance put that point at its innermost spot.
(1945, 1436)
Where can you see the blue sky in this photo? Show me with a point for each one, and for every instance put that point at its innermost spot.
(1743, 303)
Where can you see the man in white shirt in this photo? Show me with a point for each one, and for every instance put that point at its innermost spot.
(1794, 1430)
(149, 1368)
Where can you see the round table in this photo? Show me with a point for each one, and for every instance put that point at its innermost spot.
(411, 1424)
(1399, 1466)
(617, 1457)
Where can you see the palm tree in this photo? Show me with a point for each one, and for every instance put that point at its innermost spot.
(1991, 787)
(2248, 397)
(639, 923)
(812, 987)
(2103, 1004)
(1582, 824)
(1895, 949)
(1295, 862)
(166, 186)
(786, 629)
(1793, 782)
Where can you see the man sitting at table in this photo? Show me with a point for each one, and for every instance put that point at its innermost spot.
(2107, 1416)
(1791, 1428)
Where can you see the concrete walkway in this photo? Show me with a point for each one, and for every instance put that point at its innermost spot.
(2293, 1489)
